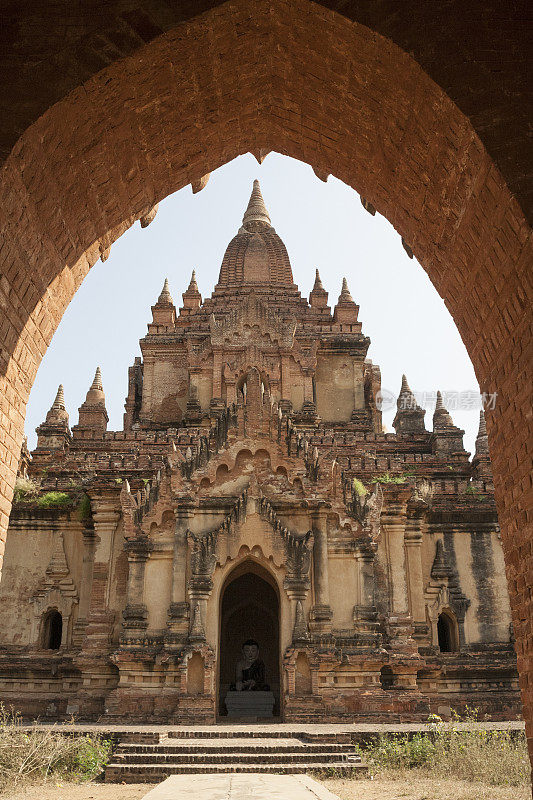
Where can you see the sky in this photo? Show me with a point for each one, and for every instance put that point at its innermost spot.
(324, 226)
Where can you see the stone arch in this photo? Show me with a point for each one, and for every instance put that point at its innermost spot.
(246, 563)
(356, 106)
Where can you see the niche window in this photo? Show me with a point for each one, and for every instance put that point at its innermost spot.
(52, 630)
(447, 633)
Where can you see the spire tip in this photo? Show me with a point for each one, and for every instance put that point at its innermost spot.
(256, 210)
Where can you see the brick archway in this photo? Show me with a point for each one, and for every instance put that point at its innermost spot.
(303, 80)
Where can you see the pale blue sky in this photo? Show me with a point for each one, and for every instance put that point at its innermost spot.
(322, 224)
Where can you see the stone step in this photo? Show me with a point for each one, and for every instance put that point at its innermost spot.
(233, 758)
(150, 773)
(339, 738)
(238, 746)
(247, 732)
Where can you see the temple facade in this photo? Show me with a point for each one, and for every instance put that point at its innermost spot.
(253, 494)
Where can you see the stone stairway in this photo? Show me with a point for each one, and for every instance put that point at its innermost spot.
(145, 759)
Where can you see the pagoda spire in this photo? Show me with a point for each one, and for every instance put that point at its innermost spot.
(318, 297)
(406, 389)
(318, 283)
(97, 380)
(409, 416)
(441, 416)
(481, 465)
(193, 286)
(95, 395)
(192, 297)
(482, 438)
(165, 298)
(163, 312)
(346, 310)
(345, 295)
(256, 211)
(447, 438)
(406, 399)
(54, 432)
(92, 413)
(59, 402)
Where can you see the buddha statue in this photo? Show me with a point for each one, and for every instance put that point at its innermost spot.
(250, 670)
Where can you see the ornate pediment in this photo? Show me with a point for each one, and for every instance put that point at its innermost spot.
(57, 576)
(444, 587)
(56, 590)
(252, 322)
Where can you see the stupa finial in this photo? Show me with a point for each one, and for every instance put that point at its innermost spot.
(345, 296)
(318, 283)
(409, 416)
(193, 286)
(256, 210)
(59, 402)
(441, 416)
(482, 438)
(97, 381)
(165, 298)
(406, 389)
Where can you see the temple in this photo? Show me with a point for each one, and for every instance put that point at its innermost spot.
(253, 494)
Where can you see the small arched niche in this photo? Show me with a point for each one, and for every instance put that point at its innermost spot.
(52, 630)
(302, 675)
(222, 474)
(447, 633)
(195, 674)
(386, 678)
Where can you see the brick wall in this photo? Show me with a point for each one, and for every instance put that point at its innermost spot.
(297, 78)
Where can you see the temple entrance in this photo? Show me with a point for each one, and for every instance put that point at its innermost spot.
(249, 609)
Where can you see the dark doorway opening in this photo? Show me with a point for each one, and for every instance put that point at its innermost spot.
(446, 634)
(249, 609)
(52, 630)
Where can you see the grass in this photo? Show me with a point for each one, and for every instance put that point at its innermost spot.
(84, 508)
(55, 500)
(488, 757)
(415, 786)
(30, 755)
(25, 490)
(491, 757)
(475, 493)
(388, 477)
(359, 487)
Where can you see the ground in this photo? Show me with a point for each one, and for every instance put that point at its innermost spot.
(64, 790)
(378, 789)
(419, 788)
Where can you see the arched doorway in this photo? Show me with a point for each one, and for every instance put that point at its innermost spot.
(249, 609)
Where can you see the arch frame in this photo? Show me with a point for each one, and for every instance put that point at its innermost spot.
(66, 195)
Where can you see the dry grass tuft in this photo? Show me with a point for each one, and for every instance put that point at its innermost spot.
(33, 755)
(496, 758)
